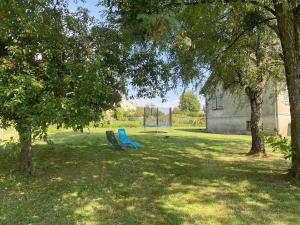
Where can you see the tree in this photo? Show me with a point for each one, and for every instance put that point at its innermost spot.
(161, 21)
(61, 68)
(251, 65)
(252, 70)
(189, 102)
(288, 24)
(50, 72)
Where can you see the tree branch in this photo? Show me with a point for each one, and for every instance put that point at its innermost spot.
(253, 2)
(244, 32)
(272, 27)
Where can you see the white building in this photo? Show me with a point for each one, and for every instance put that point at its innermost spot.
(231, 113)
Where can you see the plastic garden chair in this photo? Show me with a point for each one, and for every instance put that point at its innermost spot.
(112, 140)
(125, 140)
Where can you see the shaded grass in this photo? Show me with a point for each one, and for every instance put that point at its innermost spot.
(189, 178)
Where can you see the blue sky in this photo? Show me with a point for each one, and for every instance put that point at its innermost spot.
(172, 96)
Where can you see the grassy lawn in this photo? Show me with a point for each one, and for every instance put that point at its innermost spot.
(189, 178)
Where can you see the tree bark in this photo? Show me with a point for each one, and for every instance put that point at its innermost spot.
(26, 149)
(256, 101)
(289, 32)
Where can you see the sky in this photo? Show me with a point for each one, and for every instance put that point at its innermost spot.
(172, 96)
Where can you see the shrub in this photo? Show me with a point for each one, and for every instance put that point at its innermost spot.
(281, 144)
(11, 149)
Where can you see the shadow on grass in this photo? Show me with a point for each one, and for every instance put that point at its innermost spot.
(153, 132)
(181, 180)
(194, 130)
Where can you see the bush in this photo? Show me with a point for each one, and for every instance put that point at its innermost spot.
(281, 144)
(177, 111)
(119, 123)
(180, 120)
(11, 149)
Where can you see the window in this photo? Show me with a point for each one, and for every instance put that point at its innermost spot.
(220, 104)
(248, 125)
(214, 103)
(286, 97)
(217, 103)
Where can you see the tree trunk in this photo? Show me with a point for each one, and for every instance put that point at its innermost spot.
(256, 100)
(26, 149)
(289, 32)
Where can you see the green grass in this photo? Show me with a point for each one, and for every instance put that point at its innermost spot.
(189, 178)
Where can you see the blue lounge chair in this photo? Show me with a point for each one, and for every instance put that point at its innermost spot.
(125, 140)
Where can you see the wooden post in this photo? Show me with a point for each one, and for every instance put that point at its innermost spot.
(170, 117)
(144, 118)
(157, 120)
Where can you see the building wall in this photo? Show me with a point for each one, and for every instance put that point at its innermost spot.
(284, 117)
(233, 118)
(284, 124)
